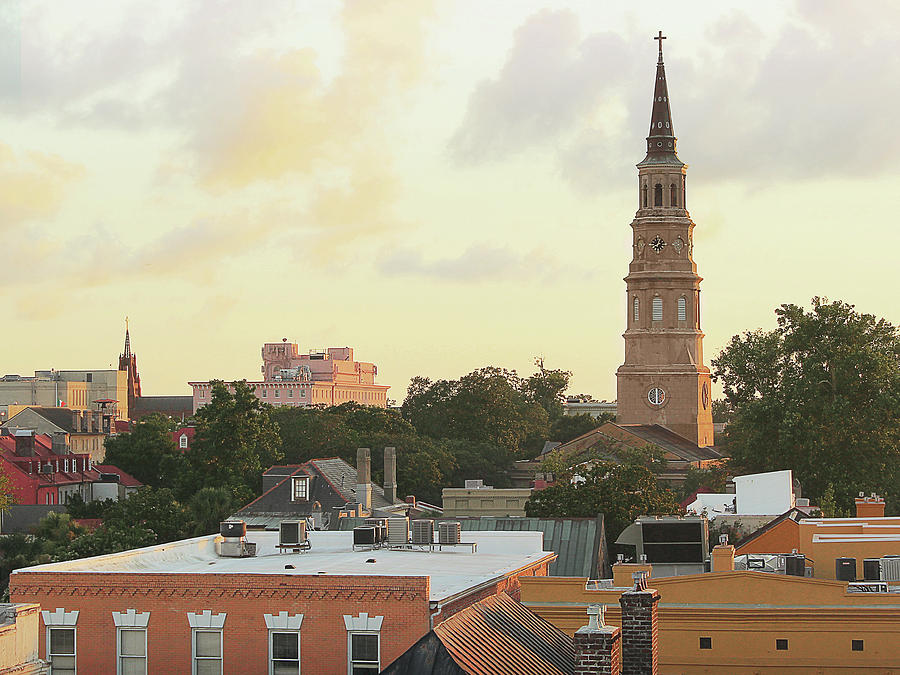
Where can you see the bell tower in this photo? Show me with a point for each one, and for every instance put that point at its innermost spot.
(663, 380)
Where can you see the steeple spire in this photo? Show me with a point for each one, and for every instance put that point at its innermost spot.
(661, 142)
(127, 341)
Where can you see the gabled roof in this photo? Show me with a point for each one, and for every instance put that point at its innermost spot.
(676, 446)
(332, 483)
(495, 636)
(793, 514)
(59, 417)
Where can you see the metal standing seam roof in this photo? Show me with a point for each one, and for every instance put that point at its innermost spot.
(499, 636)
(580, 543)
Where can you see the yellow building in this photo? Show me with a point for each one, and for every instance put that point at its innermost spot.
(484, 501)
(740, 622)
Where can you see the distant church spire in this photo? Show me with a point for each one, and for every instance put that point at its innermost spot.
(127, 353)
(661, 141)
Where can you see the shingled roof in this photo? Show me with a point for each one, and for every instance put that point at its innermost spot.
(495, 636)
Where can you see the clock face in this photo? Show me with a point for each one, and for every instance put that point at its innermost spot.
(656, 396)
(657, 244)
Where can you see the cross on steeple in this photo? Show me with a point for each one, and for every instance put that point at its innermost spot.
(660, 37)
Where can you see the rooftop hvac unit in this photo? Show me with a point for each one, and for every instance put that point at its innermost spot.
(449, 532)
(364, 535)
(291, 532)
(890, 569)
(397, 531)
(795, 565)
(474, 484)
(233, 528)
(236, 549)
(872, 569)
(380, 525)
(422, 531)
(845, 569)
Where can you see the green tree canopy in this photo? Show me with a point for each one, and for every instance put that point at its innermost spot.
(819, 395)
(6, 491)
(621, 492)
(236, 440)
(148, 452)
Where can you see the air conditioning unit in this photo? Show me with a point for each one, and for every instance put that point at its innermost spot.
(449, 532)
(291, 532)
(422, 531)
(890, 569)
(397, 531)
(233, 528)
(364, 535)
(845, 569)
(380, 525)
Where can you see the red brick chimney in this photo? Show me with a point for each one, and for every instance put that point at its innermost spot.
(869, 507)
(596, 645)
(640, 629)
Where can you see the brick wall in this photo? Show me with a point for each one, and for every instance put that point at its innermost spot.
(640, 632)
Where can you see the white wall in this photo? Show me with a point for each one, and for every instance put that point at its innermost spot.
(768, 493)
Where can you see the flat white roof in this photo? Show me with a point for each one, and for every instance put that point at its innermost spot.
(452, 571)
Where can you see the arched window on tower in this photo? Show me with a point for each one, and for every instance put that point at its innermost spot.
(637, 310)
(657, 195)
(673, 195)
(682, 309)
(657, 309)
(644, 195)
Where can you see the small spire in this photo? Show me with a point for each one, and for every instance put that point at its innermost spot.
(127, 340)
(661, 142)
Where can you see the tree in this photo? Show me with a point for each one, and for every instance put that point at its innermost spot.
(148, 453)
(818, 395)
(547, 388)
(209, 507)
(485, 406)
(568, 427)
(621, 492)
(236, 440)
(7, 498)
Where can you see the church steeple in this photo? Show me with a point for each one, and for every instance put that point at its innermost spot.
(661, 142)
(127, 353)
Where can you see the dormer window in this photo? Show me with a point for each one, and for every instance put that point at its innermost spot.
(183, 441)
(300, 491)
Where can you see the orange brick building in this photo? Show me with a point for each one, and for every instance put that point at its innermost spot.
(180, 608)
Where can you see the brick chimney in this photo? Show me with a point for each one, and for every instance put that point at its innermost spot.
(390, 474)
(596, 645)
(869, 507)
(24, 442)
(364, 478)
(640, 628)
(723, 556)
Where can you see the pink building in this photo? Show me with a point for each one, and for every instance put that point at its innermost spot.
(321, 377)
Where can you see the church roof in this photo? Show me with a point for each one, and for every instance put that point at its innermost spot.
(670, 441)
(661, 142)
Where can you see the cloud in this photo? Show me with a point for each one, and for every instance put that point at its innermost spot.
(32, 185)
(478, 263)
(815, 101)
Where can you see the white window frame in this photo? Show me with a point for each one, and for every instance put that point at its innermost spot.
(637, 309)
(130, 620)
(207, 622)
(362, 625)
(272, 648)
(283, 623)
(183, 441)
(60, 619)
(295, 481)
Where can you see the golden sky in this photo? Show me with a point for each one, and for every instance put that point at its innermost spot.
(441, 185)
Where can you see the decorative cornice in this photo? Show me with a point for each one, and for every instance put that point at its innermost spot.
(60, 617)
(363, 622)
(206, 619)
(283, 621)
(130, 618)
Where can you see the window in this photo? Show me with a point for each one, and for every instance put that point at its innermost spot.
(856, 645)
(207, 652)
(637, 310)
(673, 195)
(781, 645)
(284, 651)
(644, 195)
(706, 643)
(657, 195)
(682, 309)
(277, 392)
(364, 656)
(131, 645)
(182, 441)
(301, 489)
(265, 392)
(290, 393)
(61, 650)
(657, 309)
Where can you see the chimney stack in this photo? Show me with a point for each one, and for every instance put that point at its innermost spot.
(390, 474)
(364, 478)
(24, 442)
(723, 556)
(596, 645)
(869, 507)
(640, 628)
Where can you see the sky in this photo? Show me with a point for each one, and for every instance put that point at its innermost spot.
(441, 185)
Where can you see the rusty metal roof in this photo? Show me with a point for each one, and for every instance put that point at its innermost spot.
(496, 636)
